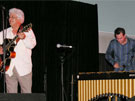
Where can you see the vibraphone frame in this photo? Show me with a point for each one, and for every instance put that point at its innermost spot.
(94, 85)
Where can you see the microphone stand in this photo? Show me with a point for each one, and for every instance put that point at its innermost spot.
(62, 59)
(4, 44)
(63, 55)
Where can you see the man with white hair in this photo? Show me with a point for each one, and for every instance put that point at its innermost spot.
(20, 68)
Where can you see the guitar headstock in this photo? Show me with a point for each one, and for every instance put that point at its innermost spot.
(27, 28)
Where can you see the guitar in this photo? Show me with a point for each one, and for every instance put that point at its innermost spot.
(9, 49)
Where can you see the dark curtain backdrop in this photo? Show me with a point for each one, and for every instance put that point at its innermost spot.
(68, 22)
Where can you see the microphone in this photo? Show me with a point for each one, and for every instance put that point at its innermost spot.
(63, 46)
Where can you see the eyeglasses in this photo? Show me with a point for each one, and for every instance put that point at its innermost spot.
(12, 17)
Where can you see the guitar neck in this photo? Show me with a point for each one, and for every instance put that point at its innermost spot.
(11, 42)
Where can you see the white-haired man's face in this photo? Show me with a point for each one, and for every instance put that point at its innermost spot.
(13, 20)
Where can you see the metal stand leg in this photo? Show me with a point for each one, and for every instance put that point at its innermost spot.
(62, 82)
(72, 89)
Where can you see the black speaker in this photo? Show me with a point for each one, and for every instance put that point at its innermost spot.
(22, 97)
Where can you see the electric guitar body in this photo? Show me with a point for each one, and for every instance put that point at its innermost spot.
(9, 53)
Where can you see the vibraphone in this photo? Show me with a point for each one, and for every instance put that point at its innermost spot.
(92, 86)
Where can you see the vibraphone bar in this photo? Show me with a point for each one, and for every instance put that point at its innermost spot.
(95, 85)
